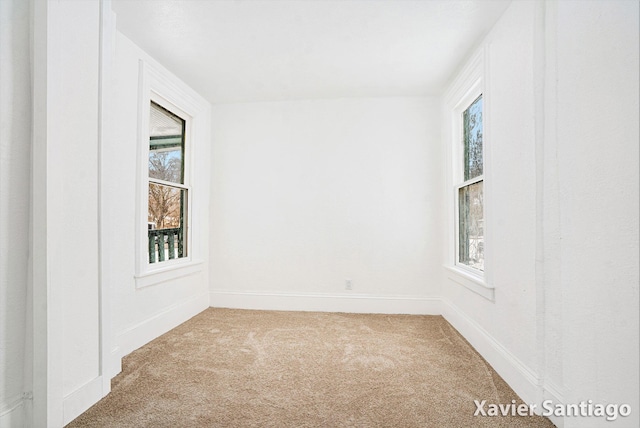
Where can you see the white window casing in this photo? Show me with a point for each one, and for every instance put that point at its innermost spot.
(469, 85)
(162, 88)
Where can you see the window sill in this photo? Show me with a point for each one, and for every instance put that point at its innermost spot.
(168, 273)
(473, 282)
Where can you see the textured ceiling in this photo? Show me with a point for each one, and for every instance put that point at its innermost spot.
(251, 50)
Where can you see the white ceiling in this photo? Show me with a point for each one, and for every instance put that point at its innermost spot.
(260, 50)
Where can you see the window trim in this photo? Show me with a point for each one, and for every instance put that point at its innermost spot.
(164, 89)
(469, 85)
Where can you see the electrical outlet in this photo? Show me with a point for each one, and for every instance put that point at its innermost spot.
(348, 285)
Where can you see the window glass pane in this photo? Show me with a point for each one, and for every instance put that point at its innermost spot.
(166, 222)
(472, 123)
(471, 226)
(166, 145)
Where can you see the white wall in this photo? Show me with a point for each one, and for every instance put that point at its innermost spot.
(597, 144)
(308, 194)
(15, 145)
(562, 138)
(72, 187)
(64, 212)
(509, 322)
(71, 156)
(142, 313)
(66, 370)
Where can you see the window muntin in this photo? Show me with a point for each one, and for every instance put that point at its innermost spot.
(167, 215)
(470, 193)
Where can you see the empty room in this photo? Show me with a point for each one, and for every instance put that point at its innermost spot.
(320, 213)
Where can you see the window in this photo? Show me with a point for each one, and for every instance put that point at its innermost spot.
(469, 190)
(467, 102)
(172, 191)
(167, 216)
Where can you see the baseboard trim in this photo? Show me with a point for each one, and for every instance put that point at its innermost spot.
(356, 303)
(553, 392)
(12, 414)
(76, 403)
(521, 378)
(518, 375)
(144, 332)
(116, 362)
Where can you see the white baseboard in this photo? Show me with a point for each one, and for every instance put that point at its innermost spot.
(81, 399)
(12, 414)
(520, 377)
(552, 392)
(356, 303)
(86, 396)
(144, 332)
(116, 362)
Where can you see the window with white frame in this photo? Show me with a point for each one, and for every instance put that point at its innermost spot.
(469, 189)
(172, 177)
(167, 208)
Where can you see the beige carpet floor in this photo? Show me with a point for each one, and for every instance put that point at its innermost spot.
(241, 368)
